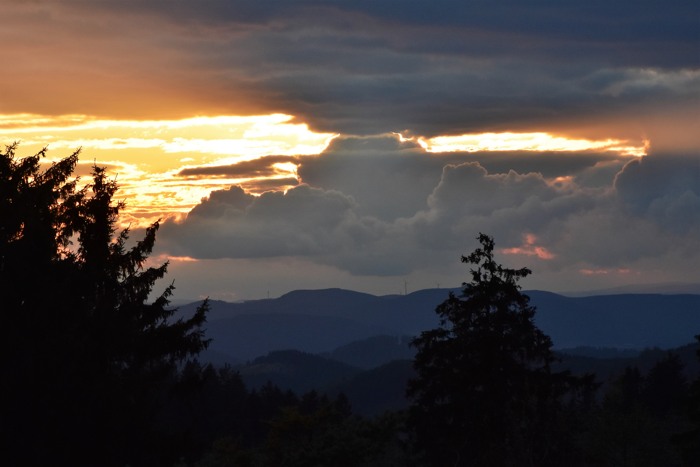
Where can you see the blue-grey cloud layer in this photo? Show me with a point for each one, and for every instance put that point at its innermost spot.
(373, 66)
(368, 207)
(627, 69)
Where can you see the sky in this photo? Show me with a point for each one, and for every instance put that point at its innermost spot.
(365, 144)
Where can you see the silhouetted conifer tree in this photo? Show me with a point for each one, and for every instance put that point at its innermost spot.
(86, 358)
(689, 441)
(484, 394)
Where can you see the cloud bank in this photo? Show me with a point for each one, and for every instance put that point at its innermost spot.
(375, 206)
(364, 67)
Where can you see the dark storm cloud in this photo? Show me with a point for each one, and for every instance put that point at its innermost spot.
(443, 67)
(599, 175)
(665, 189)
(374, 205)
(371, 204)
(304, 221)
(592, 227)
(387, 178)
(261, 167)
(621, 29)
(509, 206)
(498, 96)
(229, 203)
(390, 179)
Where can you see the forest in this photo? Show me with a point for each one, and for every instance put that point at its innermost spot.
(97, 372)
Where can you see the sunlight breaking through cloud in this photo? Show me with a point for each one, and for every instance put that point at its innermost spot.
(538, 141)
(248, 136)
(146, 156)
(160, 164)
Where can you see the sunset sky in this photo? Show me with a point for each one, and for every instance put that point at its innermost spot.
(365, 144)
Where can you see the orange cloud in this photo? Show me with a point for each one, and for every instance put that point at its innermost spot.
(146, 156)
(529, 248)
(538, 141)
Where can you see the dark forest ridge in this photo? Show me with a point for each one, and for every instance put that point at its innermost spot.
(321, 320)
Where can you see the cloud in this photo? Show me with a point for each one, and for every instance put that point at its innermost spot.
(626, 26)
(270, 184)
(469, 190)
(530, 248)
(601, 174)
(261, 167)
(371, 203)
(222, 204)
(510, 206)
(388, 178)
(304, 221)
(366, 67)
(665, 189)
(610, 220)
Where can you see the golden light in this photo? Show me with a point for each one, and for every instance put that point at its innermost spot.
(538, 141)
(200, 139)
(286, 168)
(145, 156)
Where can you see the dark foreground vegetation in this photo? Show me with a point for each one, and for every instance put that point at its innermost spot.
(93, 374)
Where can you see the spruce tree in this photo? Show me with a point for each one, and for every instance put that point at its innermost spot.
(87, 357)
(485, 393)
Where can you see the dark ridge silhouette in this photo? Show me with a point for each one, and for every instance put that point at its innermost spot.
(322, 320)
(378, 390)
(621, 321)
(600, 352)
(374, 351)
(298, 371)
(247, 336)
(608, 367)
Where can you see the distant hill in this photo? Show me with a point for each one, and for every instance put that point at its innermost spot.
(375, 391)
(621, 321)
(411, 313)
(299, 371)
(600, 352)
(246, 336)
(373, 351)
(318, 321)
(606, 369)
(370, 392)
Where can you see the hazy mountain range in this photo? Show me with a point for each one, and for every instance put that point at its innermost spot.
(377, 389)
(336, 340)
(323, 321)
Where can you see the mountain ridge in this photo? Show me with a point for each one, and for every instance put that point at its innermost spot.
(319, 321)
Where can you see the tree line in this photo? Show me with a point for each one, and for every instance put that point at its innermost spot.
(96, 372)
